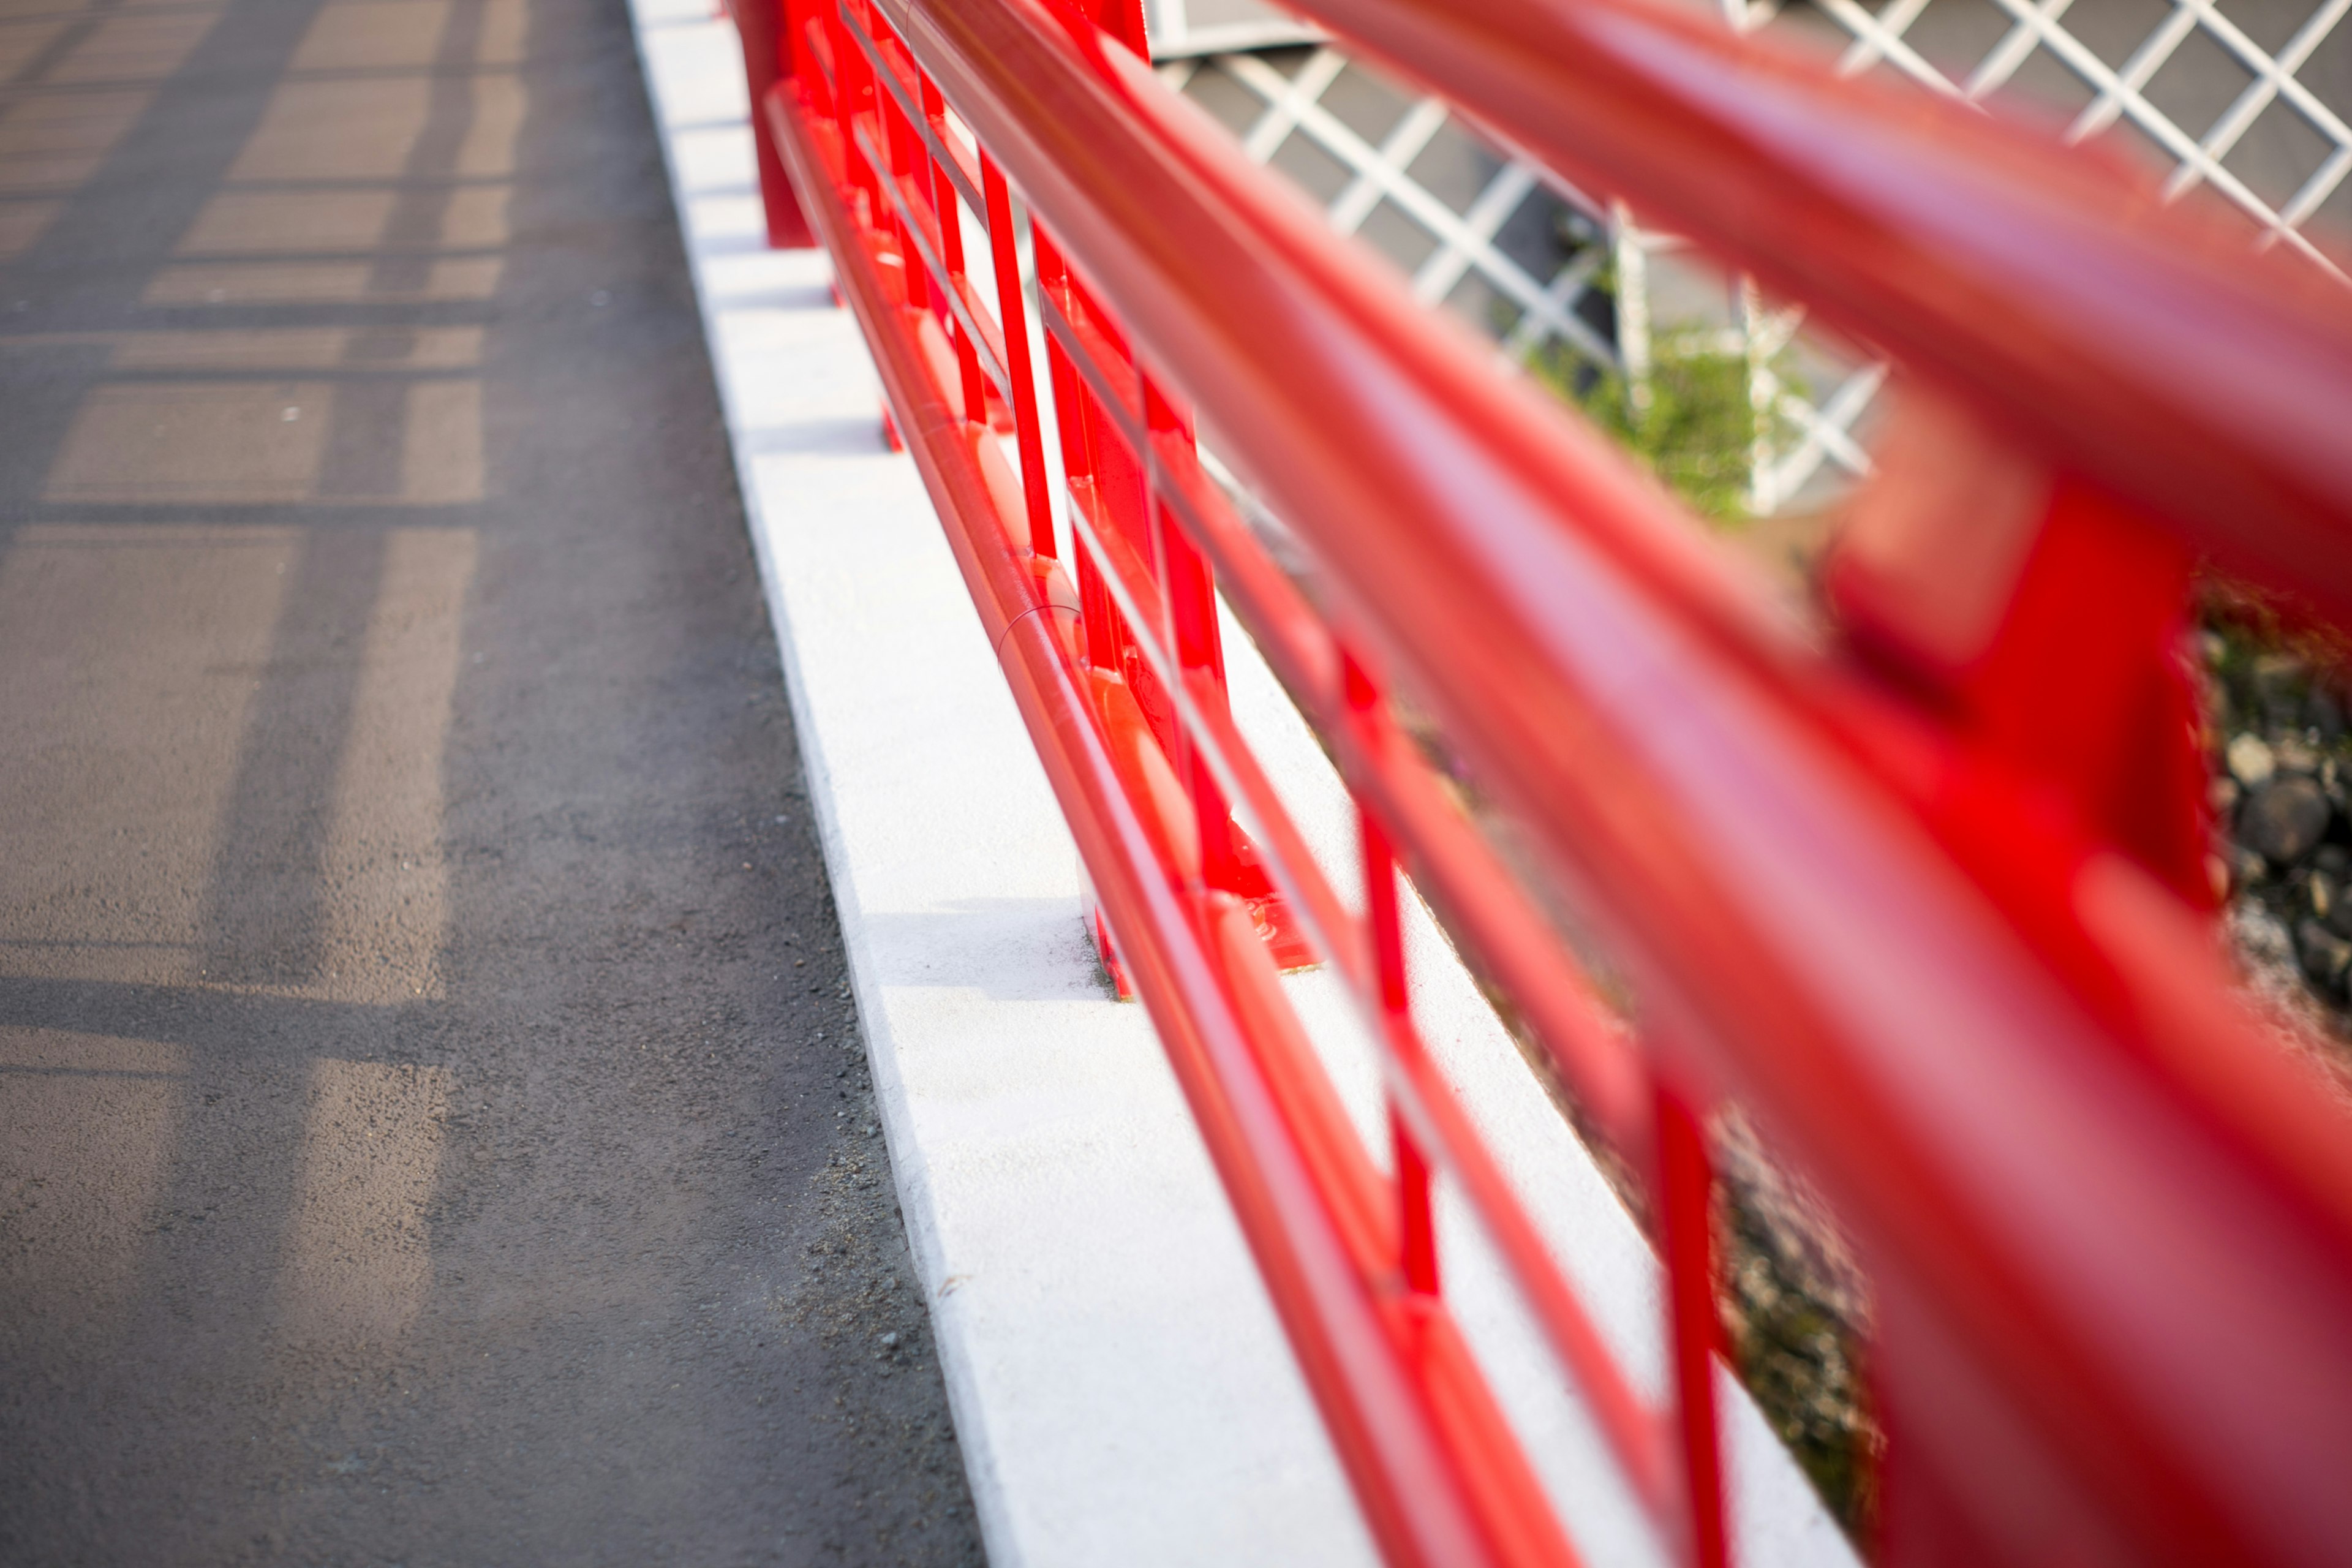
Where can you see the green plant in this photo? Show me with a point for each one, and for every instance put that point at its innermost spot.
(1694, 428)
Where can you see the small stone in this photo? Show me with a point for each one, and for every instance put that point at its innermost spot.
(2284, 820)
(2323, 712)
(2293, 754)
(2334, 859)
(2337, 916)
(2323, 894)
(889, 1340)
(2279, 680)
(2251, 761)
(2222, 794)
(2325, 956)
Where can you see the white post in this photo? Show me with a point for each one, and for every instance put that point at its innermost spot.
(1632, 306)
(1762, 493)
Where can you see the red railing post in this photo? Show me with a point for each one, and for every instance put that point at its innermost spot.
(1076, 436)
(855, 91)
(899, 148)
(1686, 1187)
(950, 216)
(760, 25)
(805, 56)
(1188, 608)
(1123, 20)
(1416, 1232)
(1013, 313)
(2046, 617)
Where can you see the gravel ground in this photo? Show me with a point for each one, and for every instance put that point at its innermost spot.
(1796, 1305)
(2279, 764)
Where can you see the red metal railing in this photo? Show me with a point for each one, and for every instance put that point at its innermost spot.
(1930, 900)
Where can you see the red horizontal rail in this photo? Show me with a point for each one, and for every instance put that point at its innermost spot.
(1547, 646)
(2111, 1223)
(1423, 1423)
(2152, 350)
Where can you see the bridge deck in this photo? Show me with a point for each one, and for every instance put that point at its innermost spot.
(431, 1127)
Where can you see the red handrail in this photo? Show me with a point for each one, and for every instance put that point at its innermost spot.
(2152, 350)
(1944, 949)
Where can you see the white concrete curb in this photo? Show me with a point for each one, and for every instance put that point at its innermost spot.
(1121, 1389)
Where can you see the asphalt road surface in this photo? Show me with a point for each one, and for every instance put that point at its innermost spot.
(433, 1127)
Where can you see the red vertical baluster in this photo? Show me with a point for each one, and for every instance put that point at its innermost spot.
(1118, 466)
(1073, 402)
(951, 220)
(1417, 1234)
(854, 89)
(1686, 1180)
(850, 21)
(1097, 617)
(795, 57)
(1011, 309)
(1121, 500)
(1123, 20)
(804, 60)
(1080, 450)
(901, 147)
(1188, 602)
(760, 24)
(1097, 614)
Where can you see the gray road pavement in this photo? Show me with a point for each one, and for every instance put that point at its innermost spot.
(432, 1125)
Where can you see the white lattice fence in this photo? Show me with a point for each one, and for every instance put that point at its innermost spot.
(2246, 97)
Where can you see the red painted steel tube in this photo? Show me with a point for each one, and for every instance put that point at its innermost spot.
(1506, 933)
(2152, 351)
(2092, 1239)
(758, 25)
(1375, 972)
(996, 211)
(1432, 1113)
(1684, 1183)
(1426, 1106)
(1414, 1223)
(1507, 936)
(1446, 1486)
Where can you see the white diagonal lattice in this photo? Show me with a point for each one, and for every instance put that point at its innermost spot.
(1541, 302)
(1466, 239)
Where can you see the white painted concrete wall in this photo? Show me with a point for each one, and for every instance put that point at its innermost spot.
(1120, 1385)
